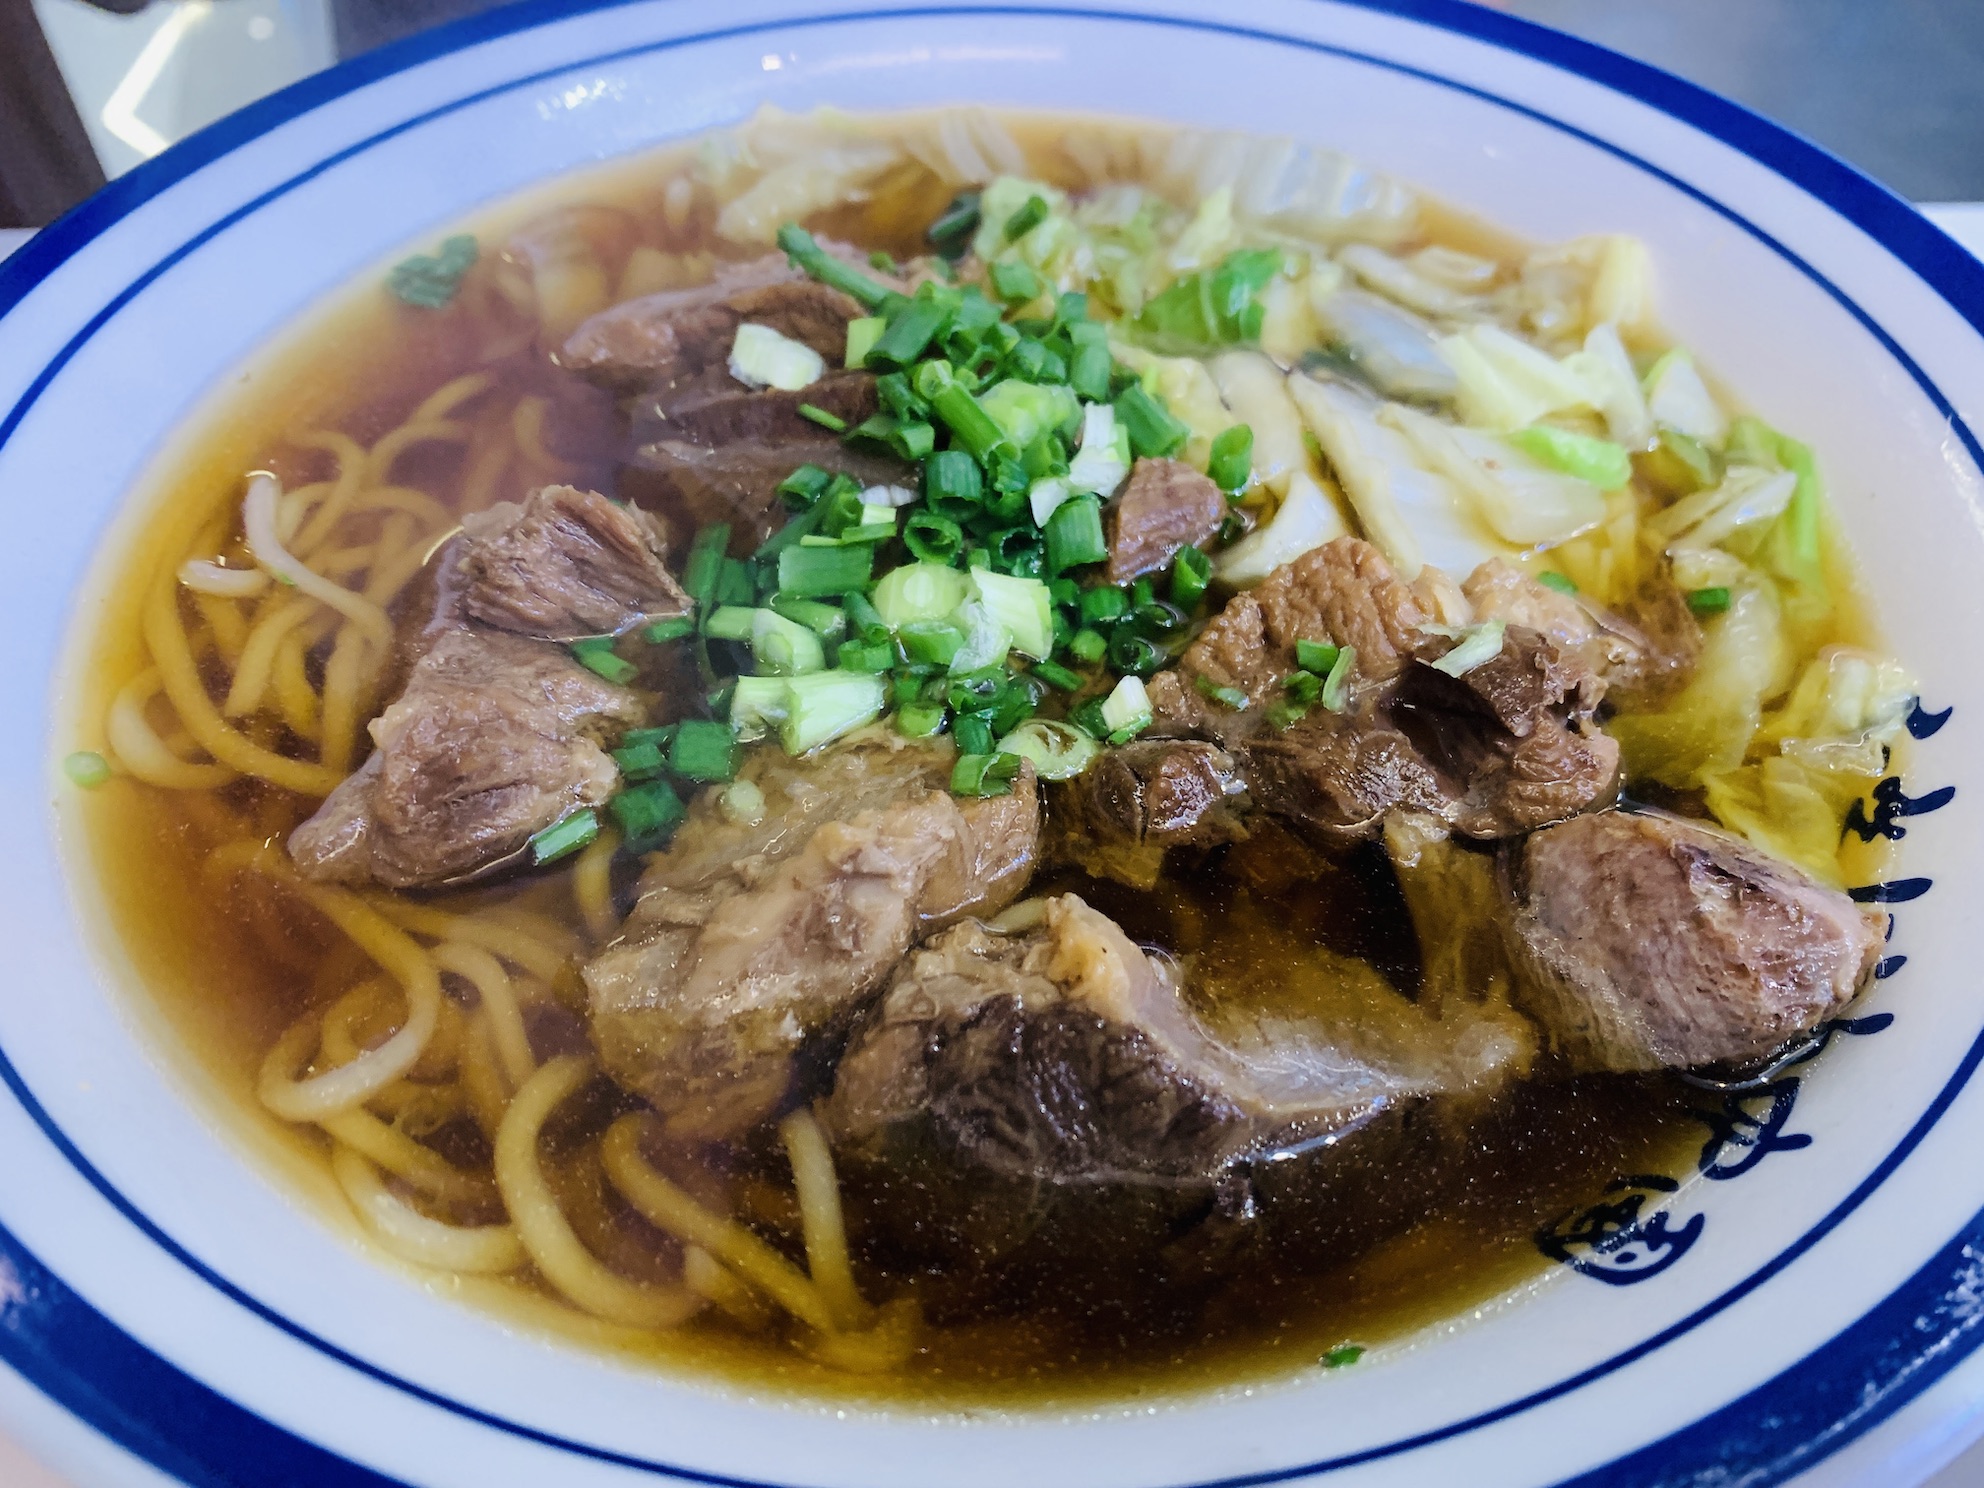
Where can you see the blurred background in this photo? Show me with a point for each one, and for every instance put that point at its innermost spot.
(90, 88)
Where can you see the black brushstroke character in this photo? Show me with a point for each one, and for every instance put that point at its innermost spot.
(1751, 1133)
(1613, 1242)
(1890, 806)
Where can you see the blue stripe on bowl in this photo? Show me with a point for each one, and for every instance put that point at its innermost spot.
(1815, 1407)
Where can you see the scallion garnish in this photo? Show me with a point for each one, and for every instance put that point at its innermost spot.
(642, 761)
(1710, 601)
(86, 768)
(595, 653)
(430, 281)
(1551, 579)
(807, 573)
(1226, 697)
(1336, 686)
(1191, 571)
(647, 815)
(703, 750)
(705, 562)
(671, 629)
(821, 417)
(1088, 646)
(1316, 656)
(1232, 461)
(1074, 535)
(811, 259)
(1031, 214)
(564, 837)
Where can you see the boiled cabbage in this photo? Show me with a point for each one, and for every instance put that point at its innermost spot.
(1307, 518)
(1522, 501)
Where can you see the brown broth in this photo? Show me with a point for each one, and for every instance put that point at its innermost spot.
(219, 976)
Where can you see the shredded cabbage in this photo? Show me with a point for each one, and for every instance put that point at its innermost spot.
(1677, 397)
(1283, 186)
(1398, 280)
(1613, 387)
(1521, 500)
(1391, 348)
(1412, 514)
(1307, 518)
(1505, 383)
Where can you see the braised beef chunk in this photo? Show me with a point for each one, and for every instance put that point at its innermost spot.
(565, 563)
(1166, 505)
(494, 738)
(738, 483)
(752, 937)
(1643, 656)
(717, 410)
(1342, 592)
(1117, 818)
(1504, 748)
(682, 331)
(1647, 941)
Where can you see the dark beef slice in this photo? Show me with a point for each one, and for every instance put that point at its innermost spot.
(494, 738)
(1119, 817)
(717, 410)
(564, 563)
(750, 940)
(1166, 505)
(680, 332)
(1647, 941)
(738, 483)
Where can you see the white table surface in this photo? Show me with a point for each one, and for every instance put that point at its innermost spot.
(1931, 1433)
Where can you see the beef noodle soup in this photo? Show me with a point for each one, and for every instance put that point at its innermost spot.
(980, 757)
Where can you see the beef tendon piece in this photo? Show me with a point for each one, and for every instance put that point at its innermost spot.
(738, 483)
(565, 563)
(1167, 505)
(1646, 941)
(1119, 817)
(1065, 1056)
(494, 738)
(751, 939)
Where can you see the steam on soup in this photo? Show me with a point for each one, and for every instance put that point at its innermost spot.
(969, 755)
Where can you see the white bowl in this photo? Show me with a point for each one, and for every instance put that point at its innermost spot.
(159, 1286)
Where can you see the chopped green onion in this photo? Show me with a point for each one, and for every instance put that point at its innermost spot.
(1316, 656)
(1154, 430)
(1032, 212)
(862, 334)
(862, 618)
(730, 623)
(984, 773)
(1232, 460)
(1059, 751)
(564, 837)
(932, 538)
(703, 750)
(656, 736)
(1304, 686)
(1348, 1353)
(821, 417)
(1551, 579)
(431, 281)
(704, 565)
(952, 482)
(1226, 697)
(825, 621)
(934, 641)
(1088, 373)
(919, 720)
(1057, 676)
(1336, 686)
(1074, 535)
(814, 261)
(1088, 645)
(642, 761)
(807, 573)
(671, 629)
(595, 653)
(1191, 571)
(805, 485)
(1015, 280)
(782, 647)
(1104, 457)
(910, 331)
(1104, 604)
(951, 233)
(919, 591)
(1599, 461)
(1027, 412)
(971, 426)
(825, 705)
(1020, 606)
(1710, 601)
(866, 656)
(1281, 715)
(1478, 644)
(735, 583)
(86, 768)
(647, 815)
(974, 735)
(1202, 311)
(758, 705)
(1127, 706)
